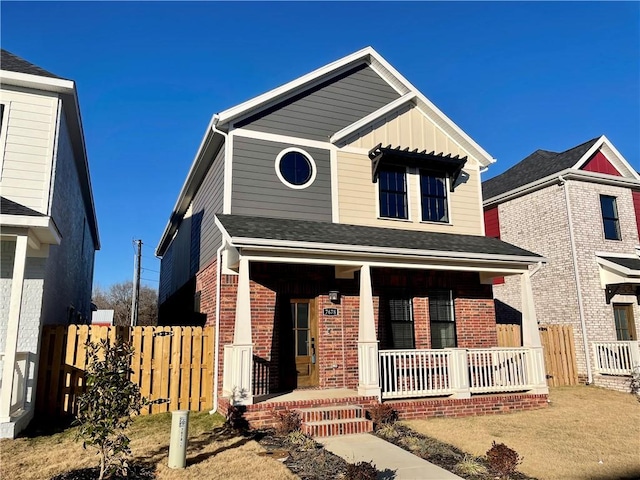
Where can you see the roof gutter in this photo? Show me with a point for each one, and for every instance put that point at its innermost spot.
(574, 255)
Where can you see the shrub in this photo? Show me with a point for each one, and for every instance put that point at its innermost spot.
(105, 410)
(503, 460)
(235, 419)
(361, 471)
(287, 421)
(382, 414)
(302, 441)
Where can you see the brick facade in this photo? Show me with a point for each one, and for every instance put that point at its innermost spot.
(262, 414)
(554, 286)
(273, 285)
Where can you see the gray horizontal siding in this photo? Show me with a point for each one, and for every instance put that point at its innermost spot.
(197, 239)
(207, 202)
(257, 190)
(327, 108)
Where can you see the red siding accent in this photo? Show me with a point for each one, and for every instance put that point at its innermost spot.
(636, 206)
(598, 163)
(492, 223)
(492, 229)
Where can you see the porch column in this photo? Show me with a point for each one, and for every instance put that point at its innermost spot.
(530, 333)
(368, 377)
(11, 343)
(536, 372)
(242, 354)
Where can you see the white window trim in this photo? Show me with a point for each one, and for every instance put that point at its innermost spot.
(447, 180)
(314, 168)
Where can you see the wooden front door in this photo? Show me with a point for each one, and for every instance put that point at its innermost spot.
(304, 322)
(625, 326)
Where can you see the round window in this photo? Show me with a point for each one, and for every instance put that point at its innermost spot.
(295, 168)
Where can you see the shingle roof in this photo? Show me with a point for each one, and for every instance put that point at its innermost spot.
(539, 164)
(9, 207)
(13, 63)
(630, 263)
(342, 234)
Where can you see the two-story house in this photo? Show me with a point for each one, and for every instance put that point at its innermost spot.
(331, 230)
(48, 225)
(580, 209)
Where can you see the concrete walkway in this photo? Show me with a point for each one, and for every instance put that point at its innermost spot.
(394, 462)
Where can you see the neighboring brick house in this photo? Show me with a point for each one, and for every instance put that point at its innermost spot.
(581, 210)
(47, 224)
(331, 230)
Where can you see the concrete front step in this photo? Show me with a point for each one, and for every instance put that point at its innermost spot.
(334, 420)
(330, 428)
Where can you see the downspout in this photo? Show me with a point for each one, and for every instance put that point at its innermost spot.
(574, 255)
(216, 369)
(216, 355)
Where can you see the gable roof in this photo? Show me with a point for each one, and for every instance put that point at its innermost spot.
(544, 164)
(221, 122)
(539, 164)
(14, 63)
(337, 236)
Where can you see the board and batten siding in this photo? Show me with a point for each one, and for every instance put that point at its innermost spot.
(408, 127)
(327, 108)
(27, 150)
(257, 190)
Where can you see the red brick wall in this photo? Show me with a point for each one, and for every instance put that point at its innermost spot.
(475, 323)
(337, 350)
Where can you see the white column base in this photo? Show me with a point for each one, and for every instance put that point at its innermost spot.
(368, 371)
(241, 375)
(536, 371)
(459, 373)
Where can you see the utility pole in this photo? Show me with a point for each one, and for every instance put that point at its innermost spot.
(135, 298)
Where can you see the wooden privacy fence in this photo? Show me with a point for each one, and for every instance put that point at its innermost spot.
(558, 346)
(172, 365)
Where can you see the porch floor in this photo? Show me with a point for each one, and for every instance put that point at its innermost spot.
(307, 394)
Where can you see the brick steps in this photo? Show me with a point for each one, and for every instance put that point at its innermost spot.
(334, 420)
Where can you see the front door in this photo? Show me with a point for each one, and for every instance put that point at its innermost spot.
(625, 326)
(305, 338)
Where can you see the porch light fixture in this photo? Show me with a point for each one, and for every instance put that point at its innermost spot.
(334, 296)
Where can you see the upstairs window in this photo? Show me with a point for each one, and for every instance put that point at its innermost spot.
(295, 168)
(610, 220)
(433, 191)
(401, 317)
(442, 319)
(392, 185)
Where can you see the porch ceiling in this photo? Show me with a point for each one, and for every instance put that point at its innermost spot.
(278, 233)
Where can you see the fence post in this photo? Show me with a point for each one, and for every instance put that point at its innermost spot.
(535, 371)
(459, 373)
(634, 353)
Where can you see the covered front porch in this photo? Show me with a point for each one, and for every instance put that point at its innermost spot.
(361, 342)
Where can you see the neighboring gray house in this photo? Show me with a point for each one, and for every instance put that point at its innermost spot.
(47, 224)
(580, 209)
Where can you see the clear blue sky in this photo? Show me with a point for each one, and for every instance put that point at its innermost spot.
(515, 76)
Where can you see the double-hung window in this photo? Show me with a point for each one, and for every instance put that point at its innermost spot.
(610, 220)
(433, 192)
(442, 319)
(401, 319)
(392, 186)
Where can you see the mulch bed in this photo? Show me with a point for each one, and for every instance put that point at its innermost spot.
(310, 461)
(437, 452)
(137, 472)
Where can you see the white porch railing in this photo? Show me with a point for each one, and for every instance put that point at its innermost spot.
(422, 373)
(616, 358)
(22, 373)
(415, 373)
